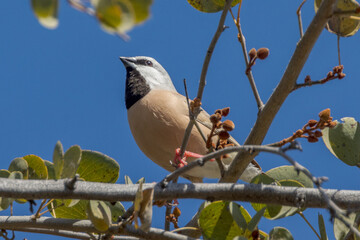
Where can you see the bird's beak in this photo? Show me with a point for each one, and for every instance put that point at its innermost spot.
(128, 61)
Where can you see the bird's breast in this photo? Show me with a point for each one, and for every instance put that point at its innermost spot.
(158, 122)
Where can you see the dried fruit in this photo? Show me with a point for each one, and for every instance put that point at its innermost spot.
(332, 124)
(325, 114)
(223, 135)
(318, 134)
(228, 125)
(312, 139)
(215, 118)
(307, 79)
(225, 111)
(312, 122)
(176, 212)
(252, 53)
(299, 132)
(262, 53)
(330, 75)
(341, 75)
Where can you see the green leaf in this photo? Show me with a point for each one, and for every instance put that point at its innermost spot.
(289, 173)
(46, 11)
(256, 219)
(216, 221)
(99, 214)
(58, 159)
(128, 180)
(344, 141)
(141, 180)
(284, 176)
(237, 215)
(37, 168)
(117, 210)
(72, 159)
(21, 165)
(50, 169)
(271, 209)
(210, 6)
(16, 175)
(4, 173)
(98, 167)
(141, 10)
(4, 203)
(75, 212)
(341, 230)
(322, 229)
(280, 233)
(343, 26)
(115, 16)
(286, 211)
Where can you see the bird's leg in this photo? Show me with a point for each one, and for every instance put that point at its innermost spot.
(181, 161)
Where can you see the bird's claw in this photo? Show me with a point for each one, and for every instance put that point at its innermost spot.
(181, 161)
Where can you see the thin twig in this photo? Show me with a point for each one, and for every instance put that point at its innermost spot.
(202, 82)
(36, 215)
(249, 74)
(317, 82)
(308, 223)
(80, 7)
(298, 13)
(191, 115)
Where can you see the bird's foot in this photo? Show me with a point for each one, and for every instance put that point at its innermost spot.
(181, 161)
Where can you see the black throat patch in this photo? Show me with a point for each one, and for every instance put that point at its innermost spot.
(136, 87)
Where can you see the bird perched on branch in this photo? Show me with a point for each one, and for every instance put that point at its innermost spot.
(158, 116)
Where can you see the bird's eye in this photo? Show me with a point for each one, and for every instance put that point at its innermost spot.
(148, 63)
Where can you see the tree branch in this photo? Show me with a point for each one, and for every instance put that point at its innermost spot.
(21, 222)
(205, 67)
(71, 234)
(311, 198)
(281, 92)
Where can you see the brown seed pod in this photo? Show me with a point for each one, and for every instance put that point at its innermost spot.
(177, 212)
(312, 139)
(225, 111)
(307, 79)
(330, 75)
(299, 132)
(332, 124)
(218, 111)
(197, 102)
(228, 125)
(318, 134)
(214, 118)
(252, 53)
(224, 135)
(325, 114)
(312, 122)
(262, 53)
(341, 75)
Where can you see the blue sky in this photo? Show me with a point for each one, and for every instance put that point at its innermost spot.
(68, 84)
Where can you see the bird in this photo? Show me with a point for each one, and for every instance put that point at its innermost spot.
(158, 116)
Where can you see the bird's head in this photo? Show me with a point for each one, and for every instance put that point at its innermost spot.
(147, 68)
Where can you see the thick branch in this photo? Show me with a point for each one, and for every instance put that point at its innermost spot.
(21, 222)
(281, 92)
(37, 189)
(70, 234)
